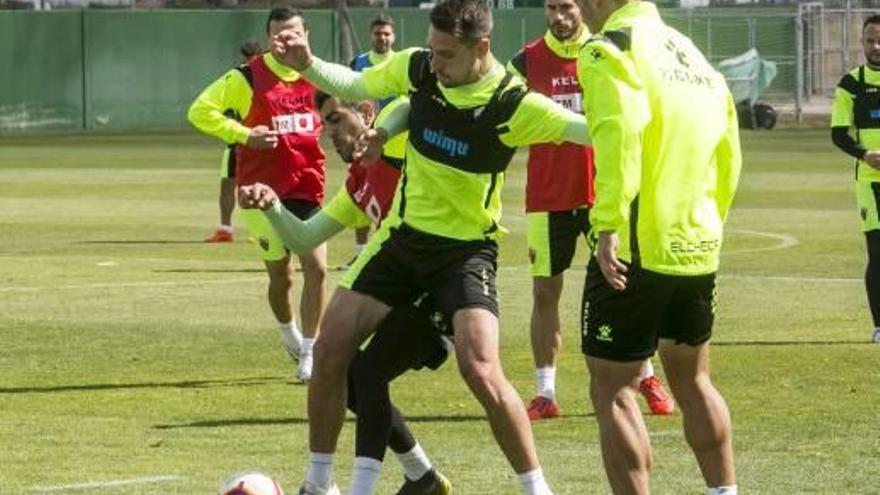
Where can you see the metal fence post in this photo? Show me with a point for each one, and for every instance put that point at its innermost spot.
(799, 71)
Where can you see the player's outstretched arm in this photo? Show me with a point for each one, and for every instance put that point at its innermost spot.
(299, 236)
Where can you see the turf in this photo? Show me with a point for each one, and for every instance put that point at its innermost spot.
(137, 360)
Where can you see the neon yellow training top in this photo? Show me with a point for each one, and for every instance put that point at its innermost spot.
(665, 134)
(441, 199)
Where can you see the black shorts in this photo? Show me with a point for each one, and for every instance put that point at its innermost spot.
(301, 208)
(229, 163)
(408, 263)
(412, 337)
(553, 237)
(626, 325)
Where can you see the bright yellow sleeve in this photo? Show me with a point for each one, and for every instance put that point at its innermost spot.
(842, 108)
(344, 210)
(396, 146)
(617, 110)
(538, 119)
(231, 92)
(391, 77)
(728, 161)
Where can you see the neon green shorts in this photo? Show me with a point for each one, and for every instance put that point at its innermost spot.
(227, 163)
(271, 246)
(552, 238)
(867, 197)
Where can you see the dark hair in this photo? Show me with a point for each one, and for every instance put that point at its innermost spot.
(874, 19)
(249, 49)
(322, 97)
(467, 20)
(283, 14)
(382, 20)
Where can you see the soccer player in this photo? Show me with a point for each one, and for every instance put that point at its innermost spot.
(559, 193)
(664, 128)
(382, 36)
(278, 145)
(409, 337)
(856, 104)
(224, 232)
(467, 117)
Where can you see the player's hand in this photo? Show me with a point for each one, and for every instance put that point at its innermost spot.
(872, 158)
(256, 195)
(368, 147)
(262, 138)
(606, 256)
(292, 49)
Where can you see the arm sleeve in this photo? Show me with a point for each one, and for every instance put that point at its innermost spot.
(394, 118)
(617, 110)
(230, 92)
(842, 118)
(517, 65)
(538, 119)
(301, 236)
(390, 78)
(728, 159)
(841, 138)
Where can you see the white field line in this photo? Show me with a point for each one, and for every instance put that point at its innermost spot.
(103, 484)
(785, 241)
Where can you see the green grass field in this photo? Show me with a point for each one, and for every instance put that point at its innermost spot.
(137, 360)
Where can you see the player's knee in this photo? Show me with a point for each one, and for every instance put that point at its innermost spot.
(315, 270)
(481, 376)
(546, 294)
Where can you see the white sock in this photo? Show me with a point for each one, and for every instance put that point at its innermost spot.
(290, 336)
(305, 347)
(533, 483)
(320, 469)
(366, 473)
(415, 463)
(723, 490)
(225, 228)
(647, 370)
(546, 382)
(359, 248)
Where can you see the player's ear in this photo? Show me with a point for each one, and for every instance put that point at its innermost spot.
(367, 109)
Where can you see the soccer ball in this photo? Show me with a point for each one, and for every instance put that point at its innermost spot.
(250, 484)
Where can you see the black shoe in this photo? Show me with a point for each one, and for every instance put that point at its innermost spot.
(432, 483)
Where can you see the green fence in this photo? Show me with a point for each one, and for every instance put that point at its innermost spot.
(100, 69)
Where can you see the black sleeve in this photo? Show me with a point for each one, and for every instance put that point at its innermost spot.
(519, 62)
(841, 138)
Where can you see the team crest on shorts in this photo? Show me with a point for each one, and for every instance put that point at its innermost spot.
(264, 243)
(605, 334)
(532, 255)
(864, 213)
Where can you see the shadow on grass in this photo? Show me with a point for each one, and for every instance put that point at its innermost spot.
(436, 418)
(234, 382)
(783, 343)
(145, 241)
(212, 270)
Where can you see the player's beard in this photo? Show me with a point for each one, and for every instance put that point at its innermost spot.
(562, 33)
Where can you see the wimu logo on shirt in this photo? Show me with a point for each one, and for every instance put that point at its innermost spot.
(453, 147)
(875, 113)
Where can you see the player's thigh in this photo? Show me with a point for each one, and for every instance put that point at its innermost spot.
(349, 319)
(622, 325)
(476, 340)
